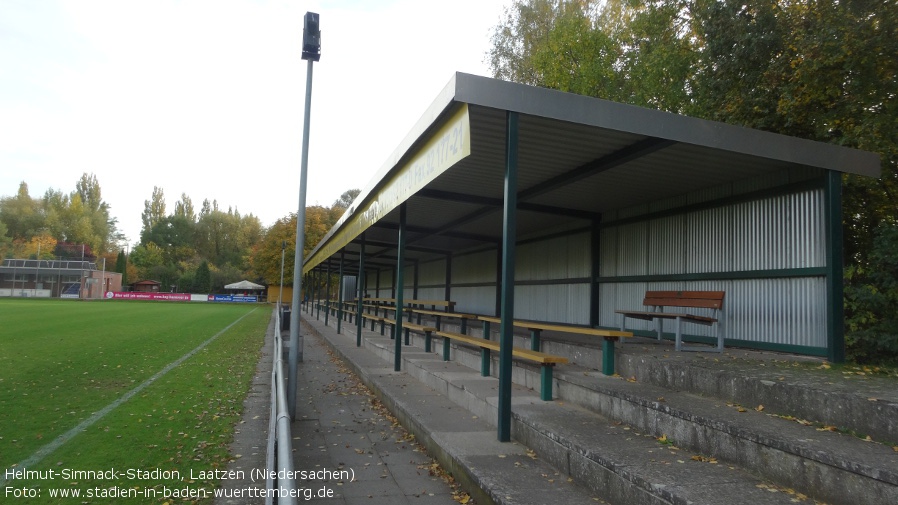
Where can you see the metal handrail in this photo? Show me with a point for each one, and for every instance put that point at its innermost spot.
(280, 440)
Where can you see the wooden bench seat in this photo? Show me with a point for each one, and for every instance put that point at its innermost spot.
(609, 337)
(438, 316)
(427, 331)
(374, 320)
(546, 361)
(658, 300)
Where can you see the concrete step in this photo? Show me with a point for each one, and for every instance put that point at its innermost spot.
(621, 464)
(465, 445)
(790, 385)
(826, 465)
(715, 407)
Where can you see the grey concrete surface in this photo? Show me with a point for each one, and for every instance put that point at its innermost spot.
(675, 428)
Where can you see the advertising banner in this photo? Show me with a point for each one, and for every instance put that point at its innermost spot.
(232, 298)
(135, 295)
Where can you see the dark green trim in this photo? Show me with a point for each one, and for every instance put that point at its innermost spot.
(509, 231)
(744, 344)
(607, 356)
(327, 295)
(795, 187)
(835, 291)
(361, 291)
(398, 287)
(340, 293)
(595, 245)
(545, 379)
(448, 287)
(720, 276)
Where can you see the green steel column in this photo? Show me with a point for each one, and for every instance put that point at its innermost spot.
(447, 293)
(607, 356)
(534, 339)
(340, 293)
(835, 316)
(400, 278)
(594, 287)
(509, 229)
(485, 358)
(327, 295)
(360, 289)
(415, 282)
(318, 293)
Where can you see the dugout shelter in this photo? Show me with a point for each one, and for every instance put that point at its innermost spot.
(528, 203)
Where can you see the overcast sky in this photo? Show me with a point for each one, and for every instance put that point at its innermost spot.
(205, 97)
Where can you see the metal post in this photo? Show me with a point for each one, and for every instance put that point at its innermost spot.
(594, 287)
(415, 282)
(509, 226)
(327, 295)
(318, 285)
(447, 293)
(400, 277)
(361, 292)
(295, 341)
(835, 316)
(376, 286)
(340, 293)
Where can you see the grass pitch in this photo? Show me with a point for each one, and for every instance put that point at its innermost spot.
(61, 361)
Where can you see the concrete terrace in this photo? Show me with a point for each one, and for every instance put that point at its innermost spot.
(742, 427)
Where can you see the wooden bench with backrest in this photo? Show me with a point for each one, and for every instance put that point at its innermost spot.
(546, 361)
(658, 300)
(609, 337)
(438, 316)
(427, 331)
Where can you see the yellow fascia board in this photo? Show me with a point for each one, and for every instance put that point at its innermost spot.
(446, 147)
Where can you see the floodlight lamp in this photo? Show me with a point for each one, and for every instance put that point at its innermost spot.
(311, 37)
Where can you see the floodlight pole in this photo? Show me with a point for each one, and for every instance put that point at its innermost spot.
(311, 52)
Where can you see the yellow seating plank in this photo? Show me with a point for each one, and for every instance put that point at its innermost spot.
(561, 328)
(539, 357)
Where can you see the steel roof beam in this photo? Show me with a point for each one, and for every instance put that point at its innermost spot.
(607, 162)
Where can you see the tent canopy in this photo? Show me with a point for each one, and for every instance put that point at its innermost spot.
(244, 284)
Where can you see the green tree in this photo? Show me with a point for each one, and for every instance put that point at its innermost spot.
(824, 70)
(21, 214)
(346, 199)
(5, 241)
(121, 266)
(175, 234)
(184, 208)
(266, 257)
(153, 212)
(202, 282)
(147, 259)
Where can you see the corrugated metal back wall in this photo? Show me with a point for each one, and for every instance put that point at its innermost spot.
(765, 235)
(771, 234)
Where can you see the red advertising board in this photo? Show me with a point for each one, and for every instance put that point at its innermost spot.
(134, 295)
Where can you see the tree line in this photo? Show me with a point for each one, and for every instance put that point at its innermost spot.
(188, 249)
(824, 70)
(76, 224)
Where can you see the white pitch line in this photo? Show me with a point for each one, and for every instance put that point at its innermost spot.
(65, 437)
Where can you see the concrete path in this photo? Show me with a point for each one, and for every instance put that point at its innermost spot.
(340, 427)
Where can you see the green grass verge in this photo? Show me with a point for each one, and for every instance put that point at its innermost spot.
(64, 360)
